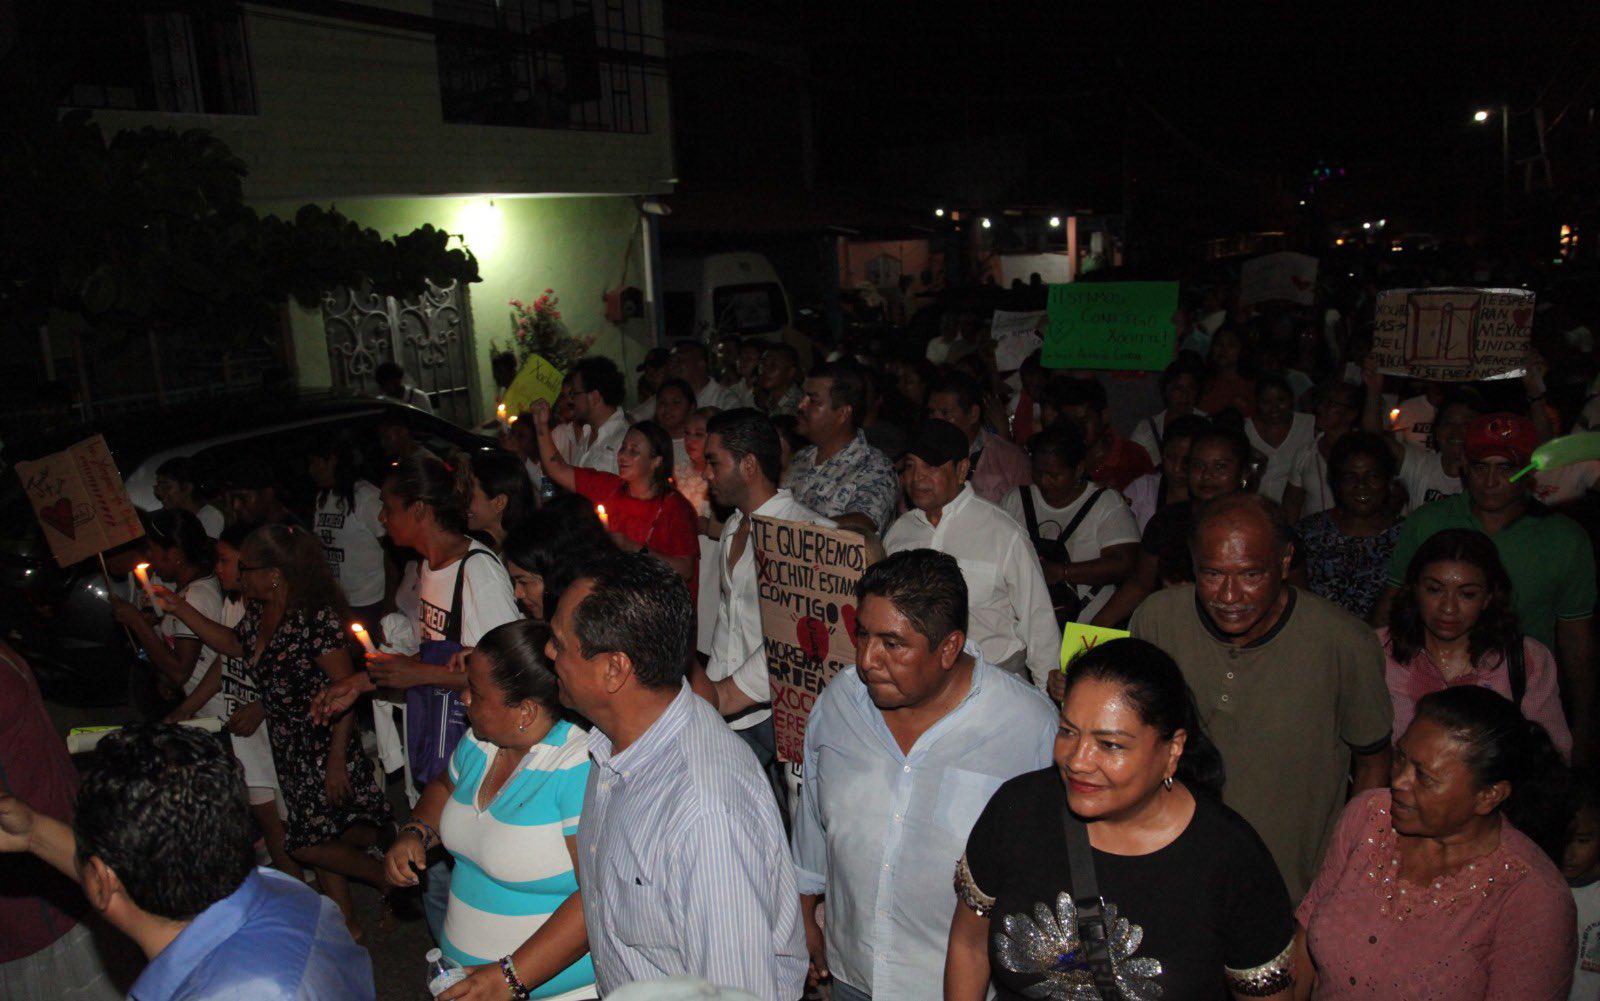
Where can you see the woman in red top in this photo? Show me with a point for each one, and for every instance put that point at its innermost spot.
(642, 510)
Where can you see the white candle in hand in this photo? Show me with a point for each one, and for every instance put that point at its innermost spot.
(142, 571)
(600, 510)
(361, 634)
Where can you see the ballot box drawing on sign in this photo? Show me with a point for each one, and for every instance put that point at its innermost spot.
(1443, 326)
(1453, 334)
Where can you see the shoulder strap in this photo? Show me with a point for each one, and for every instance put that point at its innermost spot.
(1077, 519)
(1517, 668)
(452, 627)
(1029, 515)
(1090, 906)
(1155, 432)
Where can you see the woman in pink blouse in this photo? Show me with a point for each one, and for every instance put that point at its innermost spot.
(1429, 889)
(1452, 624)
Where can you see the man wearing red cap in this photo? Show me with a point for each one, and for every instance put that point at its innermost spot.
(1547, 555)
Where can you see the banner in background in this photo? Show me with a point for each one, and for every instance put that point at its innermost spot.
(1453, 334)
(806, 581)
(80, 501)
(537, 380)
(1077, 640)
(1286, 277)
(1016, 336)
(1120, 326)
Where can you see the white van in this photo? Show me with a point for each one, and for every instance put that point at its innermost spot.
(737, 293)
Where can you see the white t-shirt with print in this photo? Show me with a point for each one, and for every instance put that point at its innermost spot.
(350, 540)
(1422, 473)
(1414, 422)
(1586, 977)
(1309, 472)
(486, 597)
(205, 595)
(1109, 523)
(239, 690)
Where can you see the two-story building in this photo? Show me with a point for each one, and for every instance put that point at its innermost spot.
(532, 130)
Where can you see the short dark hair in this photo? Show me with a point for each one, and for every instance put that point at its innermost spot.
(925, 586)
(681, 386)
(502, 474)
(1184, 364)
(747, 431)
(601, 375)
(1272, 380)
(181, 530)
(1063, 440)
(965, 388)
(1063, 393)
(250, 472)
(1221, 507)
(182, 469)
(555, 542)
(786, 350)
(164, 806)
(1187, 426)
(847, 387)
(517, 663)
(693, 347)
(639, 606)
(387, 372)
(1232, 437)
(1367, 443)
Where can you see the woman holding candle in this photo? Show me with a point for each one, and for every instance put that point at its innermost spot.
(643, 511)
(293, 638)
(179, 551)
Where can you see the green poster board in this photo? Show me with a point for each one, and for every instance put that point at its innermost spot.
(1123, 326)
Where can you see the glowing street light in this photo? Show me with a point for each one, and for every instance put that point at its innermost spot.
(986, 223)
(939, 213)
(1366, 225)
(1480, 116)
(1055, 222)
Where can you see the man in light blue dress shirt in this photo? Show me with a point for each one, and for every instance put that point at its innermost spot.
(161, 841)
(682, 865)
(902, 753)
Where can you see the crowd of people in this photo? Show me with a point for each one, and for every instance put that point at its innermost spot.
(1332, 758)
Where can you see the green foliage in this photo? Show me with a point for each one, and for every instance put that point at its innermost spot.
(149, 231)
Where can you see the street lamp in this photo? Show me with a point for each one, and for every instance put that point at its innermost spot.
(1481, 116)
(939, 213)
(986, 222)
(1055, 222)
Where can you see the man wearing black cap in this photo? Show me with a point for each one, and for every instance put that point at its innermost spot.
(1009, 611)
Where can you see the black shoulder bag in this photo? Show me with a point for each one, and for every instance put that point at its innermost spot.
(1093, 935)
(1064, 597)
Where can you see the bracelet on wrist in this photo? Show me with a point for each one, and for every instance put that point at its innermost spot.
(429, 836)
(519, 990)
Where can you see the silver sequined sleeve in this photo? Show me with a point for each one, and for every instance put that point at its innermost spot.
(1265, 980)
(968, 893)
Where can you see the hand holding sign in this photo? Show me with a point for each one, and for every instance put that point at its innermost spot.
(79, 499)
(1453, 334)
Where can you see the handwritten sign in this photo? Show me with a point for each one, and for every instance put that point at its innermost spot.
(1077, 640)
(1285, 277)
(1122, 326)
(537, 380)
(80, 501)
(1016, 336)
(806, 579)
(1453, 334)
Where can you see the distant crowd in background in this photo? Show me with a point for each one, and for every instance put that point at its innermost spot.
(1334, 757)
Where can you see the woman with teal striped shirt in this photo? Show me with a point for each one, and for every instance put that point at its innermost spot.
(508, 809)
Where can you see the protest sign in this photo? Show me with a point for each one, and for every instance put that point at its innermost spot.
(80, 501)
(1016, 336)
(806, 582)
(1120, 326)
(1286, 277)
(1077, 640)
(1453, 334)
(537, 380)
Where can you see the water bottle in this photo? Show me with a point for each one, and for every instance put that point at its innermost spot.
(443, 972)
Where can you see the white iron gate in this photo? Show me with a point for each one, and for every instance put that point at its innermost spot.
(430, 337)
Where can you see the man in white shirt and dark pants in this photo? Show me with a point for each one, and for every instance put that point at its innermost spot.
(391, 380)
(902, 753)
(596, 388)
(1011, 618)
(743, 462)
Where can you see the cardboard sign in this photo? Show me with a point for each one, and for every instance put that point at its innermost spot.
(806, 579)
(1016, 336)
(79, 499)
(537, 380)
(1453, 334)
(1077, 640)
(1286, 277)
(1122, 326)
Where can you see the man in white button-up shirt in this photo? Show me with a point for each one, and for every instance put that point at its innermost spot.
(743, 463)
(1010, 616)
(596, 388)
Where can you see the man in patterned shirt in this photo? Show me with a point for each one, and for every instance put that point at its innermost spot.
(841, 476)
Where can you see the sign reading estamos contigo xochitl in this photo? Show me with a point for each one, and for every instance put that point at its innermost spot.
(806, 582)
(1121, 326)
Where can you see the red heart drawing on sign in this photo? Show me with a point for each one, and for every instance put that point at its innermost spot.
(1522, 317)
(1300, 283)
(849, 613)
(812, 635)
(59, 517)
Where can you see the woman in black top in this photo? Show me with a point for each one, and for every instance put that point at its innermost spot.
(1194, 905)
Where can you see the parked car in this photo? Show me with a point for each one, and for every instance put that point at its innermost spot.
(60, 617)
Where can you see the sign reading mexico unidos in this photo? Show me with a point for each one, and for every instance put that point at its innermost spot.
(806, 581)
(1453, 334)
(80, 501)
(536, 380)
(1122, 326)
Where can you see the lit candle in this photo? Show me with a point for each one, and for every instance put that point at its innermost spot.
(500, 415)
(1394, 418)
(605, 523)
(361, 634)
(142, 571)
